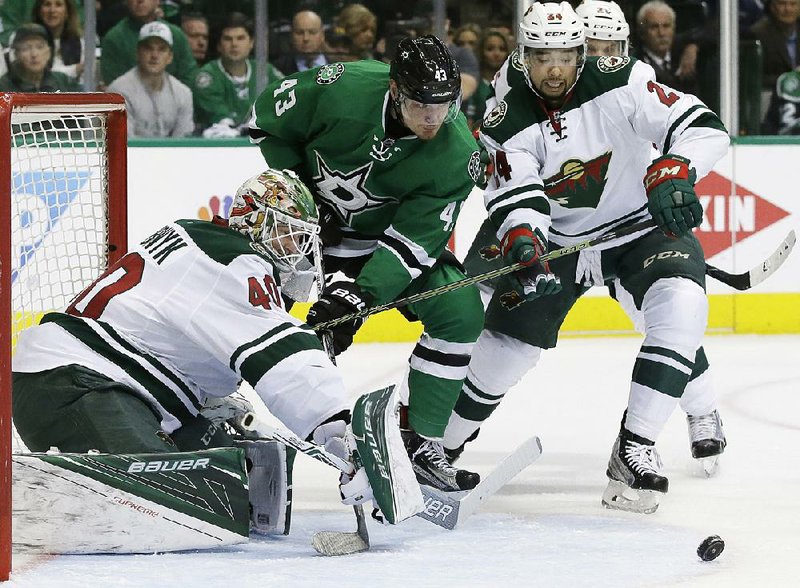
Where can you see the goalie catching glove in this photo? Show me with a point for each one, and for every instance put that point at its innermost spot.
(671, 199)
(523, 245)
(338, 300)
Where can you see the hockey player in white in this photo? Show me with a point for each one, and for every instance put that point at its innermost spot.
(176, 325)
(571, 147)
(607, 34)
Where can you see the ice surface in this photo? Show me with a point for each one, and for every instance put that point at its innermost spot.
(547, 528)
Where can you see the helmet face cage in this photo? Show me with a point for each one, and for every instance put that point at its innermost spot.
(550, 26)
(276, 209)
(604, 20)
(427, 74)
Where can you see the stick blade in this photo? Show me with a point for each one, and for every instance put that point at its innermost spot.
(759, 273)
(333, 543)
(774, 261)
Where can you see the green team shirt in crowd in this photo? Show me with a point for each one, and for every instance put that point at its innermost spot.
(405, 195)
(52, 81)
(119, 52)
(217, 95)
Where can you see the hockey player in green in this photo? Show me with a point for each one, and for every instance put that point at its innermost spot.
(571, 140)
(175, 326)
(391, 161)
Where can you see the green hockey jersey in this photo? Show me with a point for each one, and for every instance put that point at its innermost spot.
(396, 199)
(188, 314)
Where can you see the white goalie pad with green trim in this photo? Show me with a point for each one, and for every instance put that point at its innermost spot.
(129, 503)
(376, 428)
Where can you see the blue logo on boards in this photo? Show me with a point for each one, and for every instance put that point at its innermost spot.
(40, 198)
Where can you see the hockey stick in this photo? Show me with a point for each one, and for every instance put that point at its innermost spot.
(495, 273)
(337, 542)
(448, 509)
(324, 542)
(760, 272)
(743, 281)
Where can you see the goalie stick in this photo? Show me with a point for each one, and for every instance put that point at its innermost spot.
(448, 509)
(324, 542)
(337, 542)
(743, 281)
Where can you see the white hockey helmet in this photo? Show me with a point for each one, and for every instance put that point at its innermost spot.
(604, 20)
(276, 209)
(551, 25)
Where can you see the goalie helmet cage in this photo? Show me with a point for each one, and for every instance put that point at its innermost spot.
(63, 193)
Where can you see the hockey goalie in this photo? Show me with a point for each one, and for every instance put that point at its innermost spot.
(124, 395)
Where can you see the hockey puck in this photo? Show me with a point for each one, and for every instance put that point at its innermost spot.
(710, 548)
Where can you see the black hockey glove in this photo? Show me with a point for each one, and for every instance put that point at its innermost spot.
(338, 300)
(671, 199)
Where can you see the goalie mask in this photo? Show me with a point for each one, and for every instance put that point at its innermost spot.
(552, 47)
(607, 31)
(276, 209)
(428, 82)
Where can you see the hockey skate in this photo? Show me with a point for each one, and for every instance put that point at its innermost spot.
(634, 478)
(707, 440)
(432, 468)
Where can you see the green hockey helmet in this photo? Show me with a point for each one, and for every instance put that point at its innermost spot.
(276, 209)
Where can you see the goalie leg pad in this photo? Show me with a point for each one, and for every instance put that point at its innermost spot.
(269, 473)
(376, 429)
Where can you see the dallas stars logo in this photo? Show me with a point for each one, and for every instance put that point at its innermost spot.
(346, 192)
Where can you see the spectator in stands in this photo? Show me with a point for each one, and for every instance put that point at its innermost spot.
(750, 12)
(468, 35)
(777, 31)
(195, 26)
(30, 70)
(673, 57)
(159, 105)
(783, 116)
(360, 25)
(119, 44)
(14, 13)
(62, 20)
(224, 89)
(493, 50)
(308, 44)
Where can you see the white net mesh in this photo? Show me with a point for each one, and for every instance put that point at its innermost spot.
(59, 219)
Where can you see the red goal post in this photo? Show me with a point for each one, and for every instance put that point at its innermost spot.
(63, 198)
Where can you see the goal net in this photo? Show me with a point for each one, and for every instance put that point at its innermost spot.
(63, 193)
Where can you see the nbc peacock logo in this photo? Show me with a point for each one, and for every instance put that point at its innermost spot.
(216, 206)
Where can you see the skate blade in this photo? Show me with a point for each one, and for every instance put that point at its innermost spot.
(619, 496)
(709, 465)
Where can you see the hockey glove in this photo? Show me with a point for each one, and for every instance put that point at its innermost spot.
(521, 244)
(486, 165)
(338, 300)
(671, 199)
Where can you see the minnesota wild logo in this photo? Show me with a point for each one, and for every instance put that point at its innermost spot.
(328, 74)
(516, 61)
(612, 63)
(579, 184)
(496, 116)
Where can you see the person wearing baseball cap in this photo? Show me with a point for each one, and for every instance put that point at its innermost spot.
(158, 104)
(30, 70)
(121, 40)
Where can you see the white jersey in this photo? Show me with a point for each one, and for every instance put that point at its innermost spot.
(577, 173)
(186, 315)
